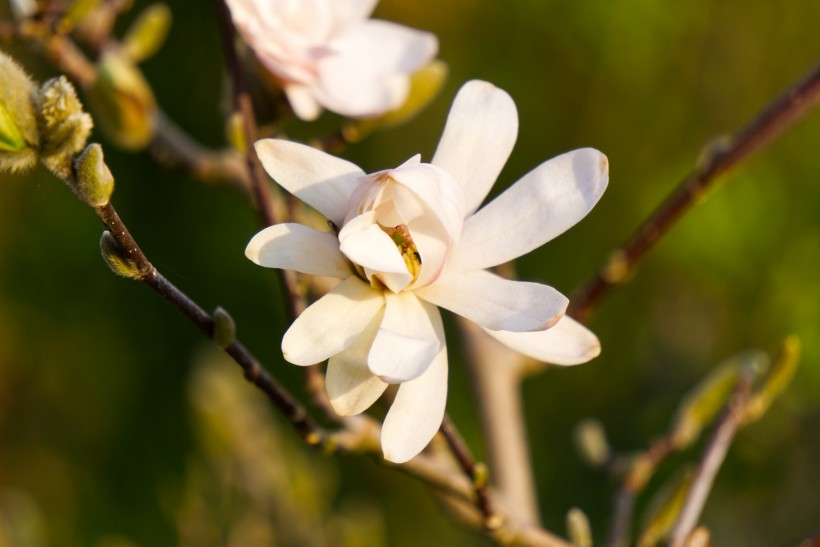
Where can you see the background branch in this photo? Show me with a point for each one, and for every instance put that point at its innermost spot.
(773, 121)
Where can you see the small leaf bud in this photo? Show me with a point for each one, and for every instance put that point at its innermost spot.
(147, 33)
(95, 183)
(590, 440)
(116, 258)
(124, 103)
(19, 134)
(424, 87)
(64, 125)
(700, 407)
(578, 528)
(664, 509)
(224, 332)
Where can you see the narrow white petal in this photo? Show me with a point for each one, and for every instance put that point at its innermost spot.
(351, 387)
(302, 101)
(322, 181)
(566, 343)
(332, 323)
(479, 135)
(542, 205)
(407, 341)
(416, 414)
(496, 303)
(367, 245)
(297, 247)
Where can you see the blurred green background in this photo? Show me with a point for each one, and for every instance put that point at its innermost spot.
(120, 426)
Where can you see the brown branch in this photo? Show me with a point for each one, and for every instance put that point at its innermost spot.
(476, 472)
(712, 459)
(254, 372)
(779, 116)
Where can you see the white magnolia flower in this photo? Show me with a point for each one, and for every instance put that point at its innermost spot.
(409, 240)
(327, 53)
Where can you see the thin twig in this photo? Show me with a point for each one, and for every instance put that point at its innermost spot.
(254, 372)
(712, 459)
(475, 471)
(780, 115)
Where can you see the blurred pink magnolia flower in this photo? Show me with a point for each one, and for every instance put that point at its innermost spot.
(327, 53)
(412, 239)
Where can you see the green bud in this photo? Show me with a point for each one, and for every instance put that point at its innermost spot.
(700, 407)
(19, 134)
(664, 509)
(591, 443)
(64, 125)
(124, 103)
(578, 528)
(147, 33)
(424, 87)
(777, 380)
(116, 258)
(95, 183)
(224, 332)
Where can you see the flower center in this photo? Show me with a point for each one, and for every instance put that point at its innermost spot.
(409, 252)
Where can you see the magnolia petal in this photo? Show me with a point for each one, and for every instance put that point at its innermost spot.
(351, 11)
(496, 303)
(351, 387)
(542, 205)
(302, 102)
(566, 343)
(479, 135)
(297, 247)
(367, 245)
(369, 72)
(332, 323)
(436, 189)
(416, 414)
(322, 181)
(407, 342)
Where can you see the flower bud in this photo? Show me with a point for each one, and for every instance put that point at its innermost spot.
(116, 258)
(224, 332)
(95, 183)
(19, 135)
(124, 103)
(147, 33)
(424, 87)
(64, 125)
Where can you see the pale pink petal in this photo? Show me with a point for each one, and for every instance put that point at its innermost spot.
(436, 189)
(332, 323)
(416, 414)
(351, 387)
(302, 101)
(542, 205)
(496, 303)
(566, 343)
(479, 135)
(350, 11)
(407, 342)
(367, 245)
(322, 181)
(299, 248)
(368, 72)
